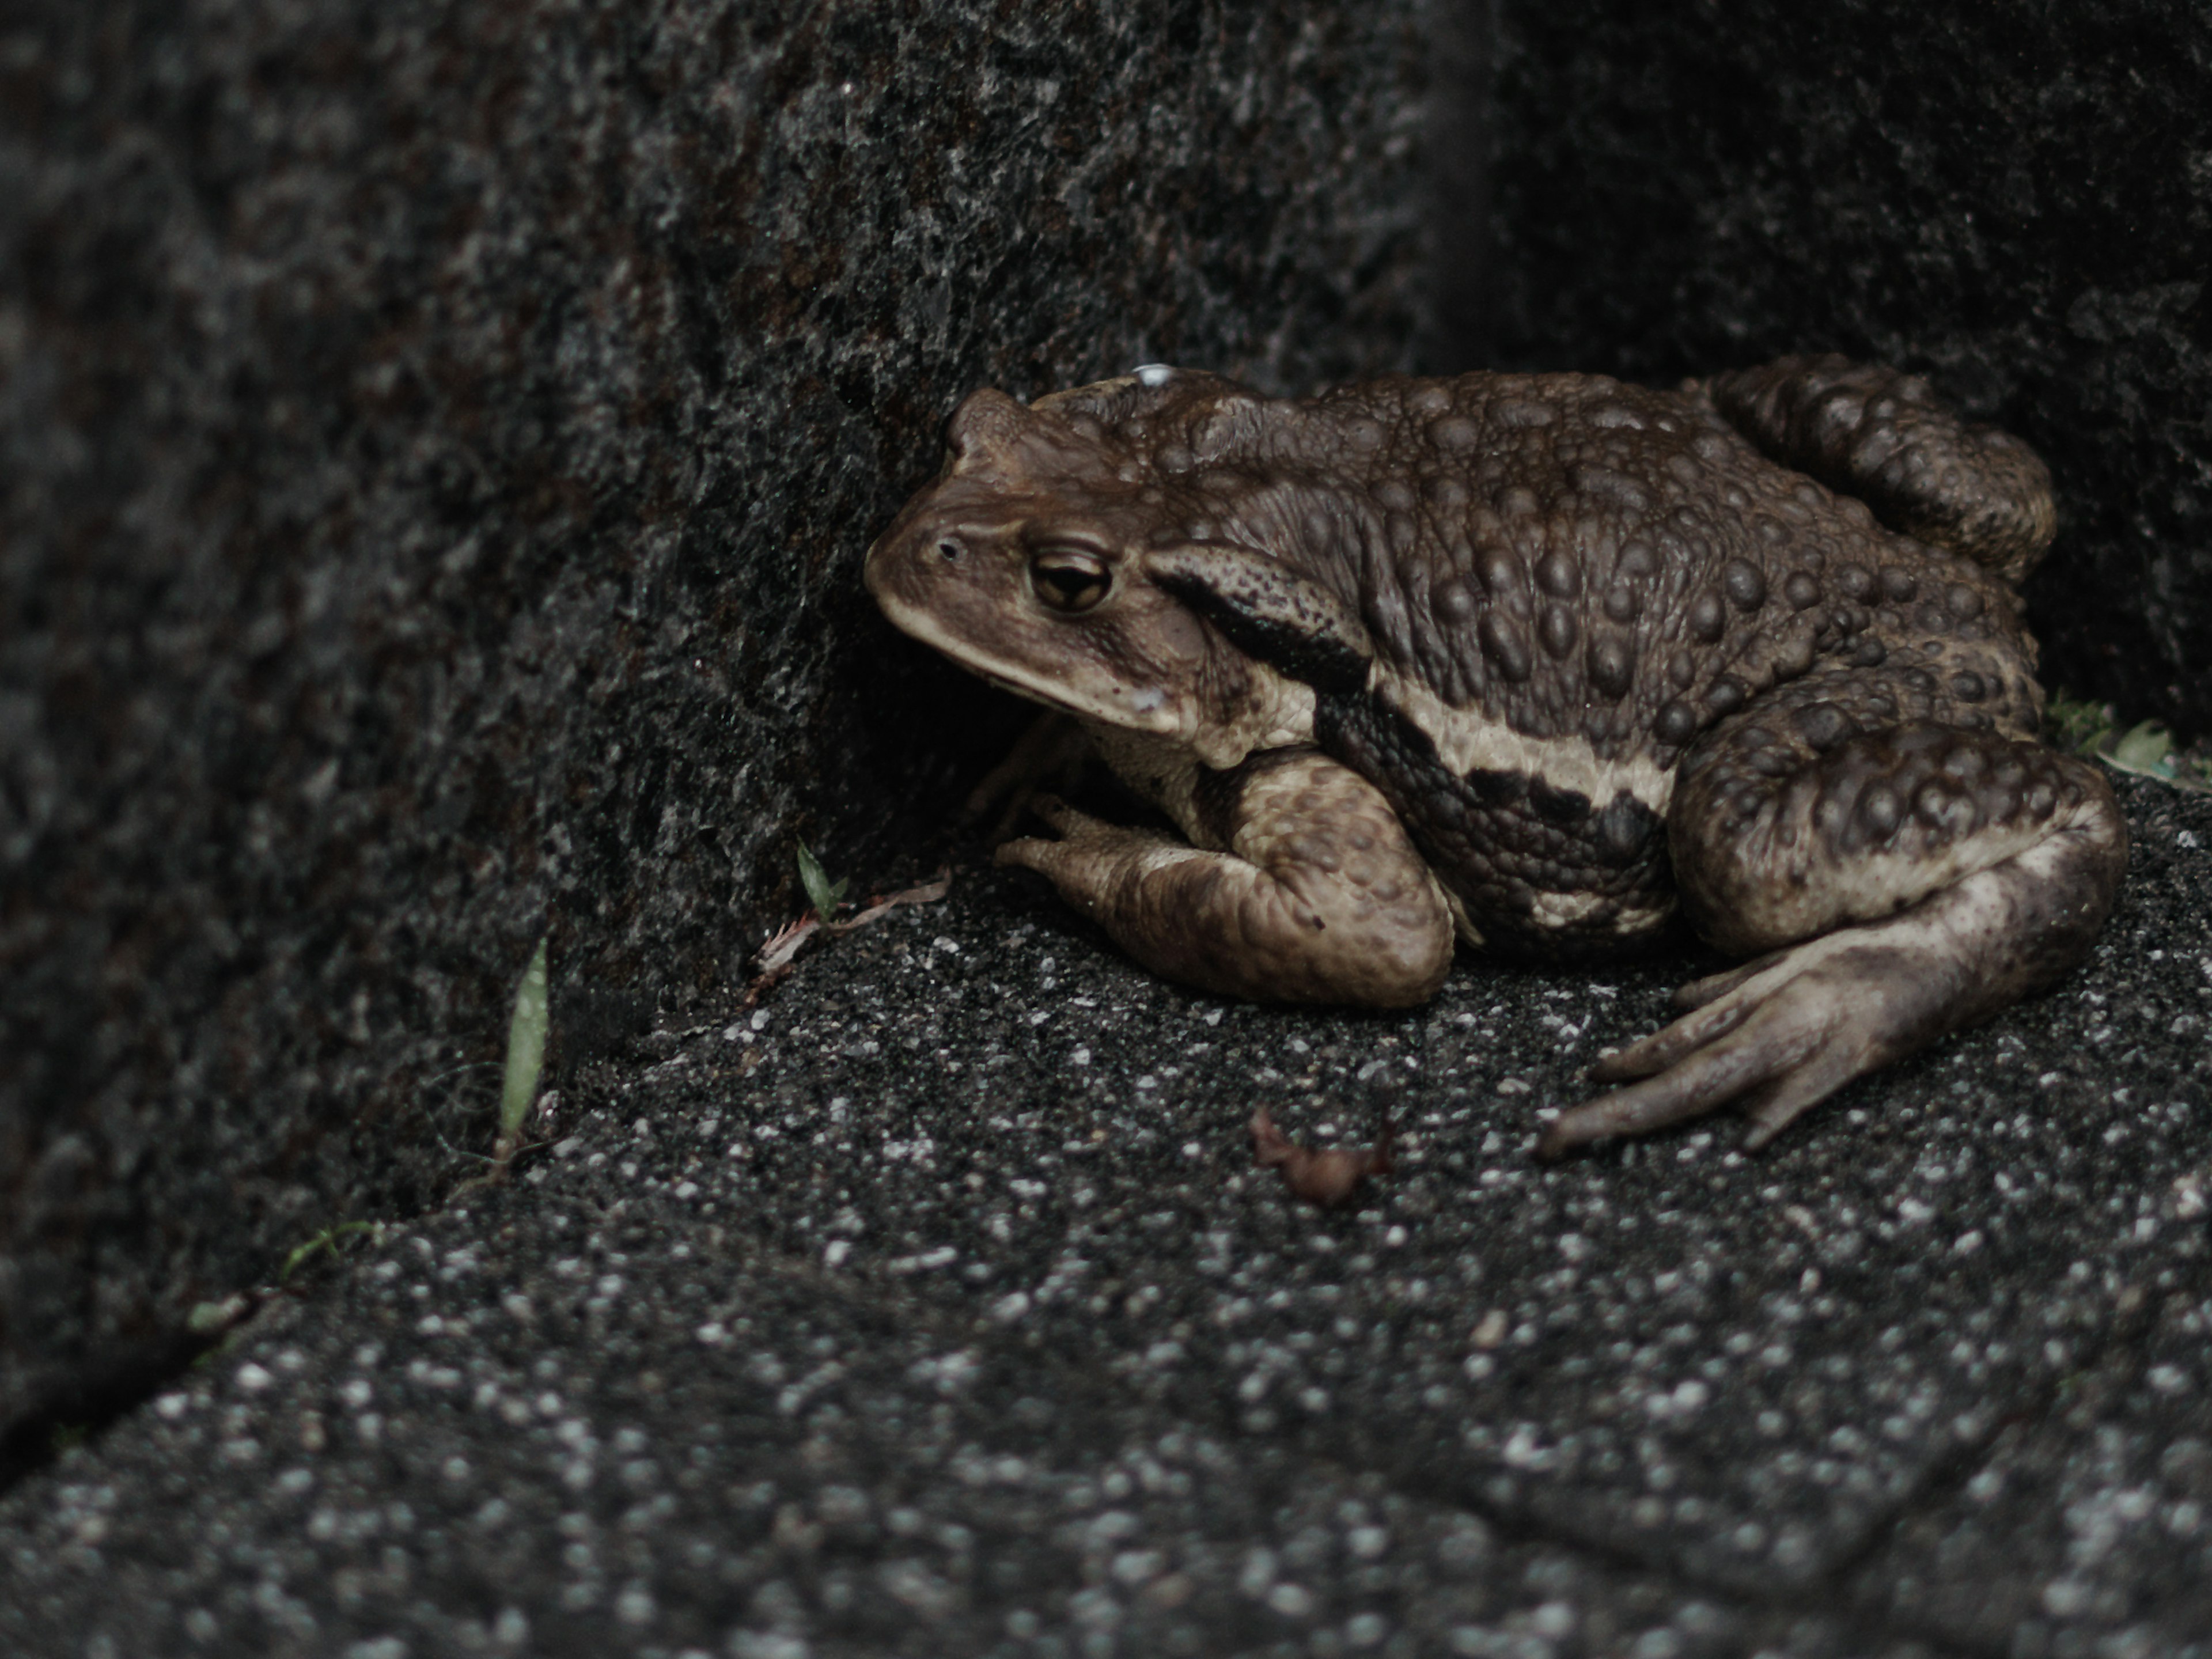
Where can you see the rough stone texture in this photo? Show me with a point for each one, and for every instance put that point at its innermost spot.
(2016, 200)
(439, 442)
(2088, 1531)
(936, 1305)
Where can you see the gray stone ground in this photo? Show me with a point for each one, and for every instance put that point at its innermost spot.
(935, 1305)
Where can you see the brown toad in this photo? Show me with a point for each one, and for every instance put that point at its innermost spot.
(1532, 661)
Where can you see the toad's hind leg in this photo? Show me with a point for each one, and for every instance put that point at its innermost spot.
(1883, 436)
(1909, 881)
(1309, 890)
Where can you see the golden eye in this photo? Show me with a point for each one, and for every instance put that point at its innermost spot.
(1066, 579)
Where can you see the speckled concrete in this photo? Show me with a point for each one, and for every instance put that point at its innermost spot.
(936, 1304)
(437, 445)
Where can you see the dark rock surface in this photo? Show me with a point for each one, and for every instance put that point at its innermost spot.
(438, 444)
(2016, 200)
(935, 1304)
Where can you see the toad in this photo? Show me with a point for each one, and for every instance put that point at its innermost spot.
(1531, 664)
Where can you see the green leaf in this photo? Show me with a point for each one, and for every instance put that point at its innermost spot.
(526, 1045)
(820, 892)
(325, 1240)
(2144, 748)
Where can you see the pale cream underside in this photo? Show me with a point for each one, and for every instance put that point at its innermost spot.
(1468, 742)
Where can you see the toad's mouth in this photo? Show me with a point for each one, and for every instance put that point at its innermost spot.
(1095, 697)
(1140, 708)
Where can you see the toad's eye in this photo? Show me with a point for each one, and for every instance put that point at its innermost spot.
(1069, 579)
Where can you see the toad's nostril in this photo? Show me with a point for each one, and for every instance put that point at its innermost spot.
(950, 549)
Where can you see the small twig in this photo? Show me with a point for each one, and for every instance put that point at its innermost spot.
(927, 893)
(782, 949)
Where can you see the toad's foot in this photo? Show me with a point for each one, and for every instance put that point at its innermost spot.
(1048, 758)
(1782, 1034)
(1776, 1038)
(1314, 896)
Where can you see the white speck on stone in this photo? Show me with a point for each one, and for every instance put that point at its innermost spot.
(1967, 1242)
(1153, 373)
(1011, 1307)
(252, 1378)
(2168, 1379)
(2191, 1198)
(2187, 838)
(1521, 1450)
(714, 1334)
(759, 1021)
(1364, 1630)
(835, 1252)
(1292, 1600)
(174, 1406)
(922, 1262)
(1080, 1057)
(951, 947)
(687, 1189)
(2064, 1597)
(1137, 1566)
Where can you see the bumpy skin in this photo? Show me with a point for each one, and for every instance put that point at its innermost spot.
(1551, 656)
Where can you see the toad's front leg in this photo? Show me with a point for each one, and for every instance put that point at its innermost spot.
(1920, 876)
(1314, 893)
